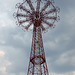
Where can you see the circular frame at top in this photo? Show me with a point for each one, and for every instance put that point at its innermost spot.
(36, 13)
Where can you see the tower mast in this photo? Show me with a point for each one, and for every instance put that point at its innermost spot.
(37, 18)
(37, 64)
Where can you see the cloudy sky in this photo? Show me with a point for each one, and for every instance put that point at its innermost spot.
(59, 43)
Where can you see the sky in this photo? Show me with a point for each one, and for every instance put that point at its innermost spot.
(59, 43)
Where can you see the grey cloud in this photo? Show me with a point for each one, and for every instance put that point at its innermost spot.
(18, 43)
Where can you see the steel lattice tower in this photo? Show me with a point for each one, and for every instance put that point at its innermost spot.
(37, 15)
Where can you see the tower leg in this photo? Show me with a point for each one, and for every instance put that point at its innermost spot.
(37, 63)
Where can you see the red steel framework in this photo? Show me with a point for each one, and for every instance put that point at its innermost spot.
(37, 15)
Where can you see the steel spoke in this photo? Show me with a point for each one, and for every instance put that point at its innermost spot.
(26, 27)
(21, 15)
(30, 5)
(46, 22)
(24, 9)
(43, 28)
(38, 5)
(46, 5)
(50, 11)
(49, 17)
(23, 21)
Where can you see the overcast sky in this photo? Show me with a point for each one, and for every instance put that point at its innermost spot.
(59, 43)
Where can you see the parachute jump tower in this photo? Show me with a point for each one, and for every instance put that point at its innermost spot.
(37, 15)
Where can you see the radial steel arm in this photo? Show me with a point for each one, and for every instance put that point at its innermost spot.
(24, 9)
(51, 17)
(46, 22)
(23, 21)
(26, 27)
(50, 11)
(38, 5)
(43, 28)
(30, 5)
(22, 15)
(46, 5)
